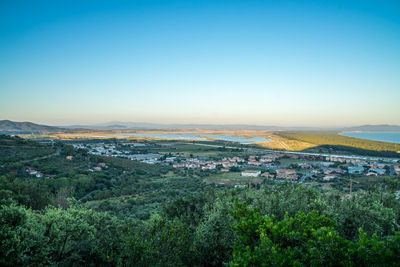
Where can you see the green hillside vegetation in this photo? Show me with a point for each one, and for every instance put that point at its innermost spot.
(15, 149)
(139, 188)
(281, 225)
(333, 140)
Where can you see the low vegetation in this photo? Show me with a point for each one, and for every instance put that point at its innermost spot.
(333, 141)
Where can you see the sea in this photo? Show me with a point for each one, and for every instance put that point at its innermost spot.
(391, 137)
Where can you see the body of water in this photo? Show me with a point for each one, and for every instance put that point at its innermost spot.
(391, 137)
(201, 137)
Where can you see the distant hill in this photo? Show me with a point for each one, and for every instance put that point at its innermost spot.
(374, 128)
(117, 125)
(7, 126)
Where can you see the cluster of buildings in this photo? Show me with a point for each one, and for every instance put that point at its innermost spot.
(100, 166)
(288, 174)
(262, 160)
(101, 149)
(146, 158)
(373, 169)
(225, 163)
(282, 173)
(339, 159)
(111, 150)
(326, 167)
(265, 161)
(329, 168)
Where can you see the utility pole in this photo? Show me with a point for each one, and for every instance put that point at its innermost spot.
(351, 185)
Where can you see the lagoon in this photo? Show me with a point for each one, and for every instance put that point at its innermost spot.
(201, 137)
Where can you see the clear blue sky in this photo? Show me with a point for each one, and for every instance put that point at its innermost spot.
(310, 63)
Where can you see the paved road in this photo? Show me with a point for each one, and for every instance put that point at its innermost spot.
(392, 171)
(304, 177)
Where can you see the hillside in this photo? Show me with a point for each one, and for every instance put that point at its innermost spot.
(12, 126)
(336, 141)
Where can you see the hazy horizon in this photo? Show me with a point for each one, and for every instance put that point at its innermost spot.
(140, 123)
(268, 63)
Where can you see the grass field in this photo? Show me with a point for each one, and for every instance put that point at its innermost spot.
(196, 150)
(231, 178)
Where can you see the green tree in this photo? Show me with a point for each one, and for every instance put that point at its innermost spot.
(214, 237)
(305, 240)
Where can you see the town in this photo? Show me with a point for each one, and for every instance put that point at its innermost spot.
(247, 163)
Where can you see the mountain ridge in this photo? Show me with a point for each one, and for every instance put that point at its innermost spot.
(13, 126)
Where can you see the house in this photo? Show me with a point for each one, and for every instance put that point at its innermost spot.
(355, 169)
(267, 175)
(315, 172)
(288, 174)
(179, 165)
(304, 165)
(324, 164)
(335, 159)
(328, 171)
(34, 172)
(224, 170)
(69, 157)
(255, 163)
(227, 164)
(237, 159)
(209, 166)
(378, 171)
(145, 157)
(329, 177)
(189, 165)
(97, 169)
(102, 164)
(397, 169)
(252, 173)
(252, 158)
(267, 158)
(170, 159)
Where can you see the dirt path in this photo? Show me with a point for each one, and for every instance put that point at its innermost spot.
(285, 146)
(40, 158)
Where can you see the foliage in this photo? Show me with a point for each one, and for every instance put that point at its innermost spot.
(304, 240)
(58, 237)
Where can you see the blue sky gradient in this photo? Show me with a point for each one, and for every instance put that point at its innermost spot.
(308, 63)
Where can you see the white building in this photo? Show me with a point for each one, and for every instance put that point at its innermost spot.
(251, 173)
